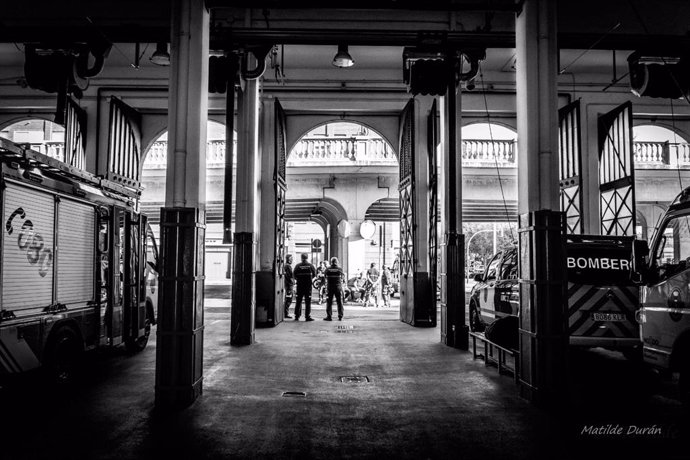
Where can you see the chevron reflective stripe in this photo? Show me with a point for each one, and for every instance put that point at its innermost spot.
(15, 354)
(8, 363)
(586, 299)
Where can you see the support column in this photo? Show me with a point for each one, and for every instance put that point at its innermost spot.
(267, 292)
(246, 222)
(424, 301)
(179, 352)
(454, 330)
(543, 336)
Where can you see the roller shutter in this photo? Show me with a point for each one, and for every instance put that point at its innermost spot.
(75, 252)
(27, 242)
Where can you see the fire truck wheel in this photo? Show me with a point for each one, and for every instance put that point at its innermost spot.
(64, 356)
(476, 324)
(137, 345)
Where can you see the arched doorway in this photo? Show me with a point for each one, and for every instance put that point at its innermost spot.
(42, 135)
(346, 162)
(489, 159)
(153, 178)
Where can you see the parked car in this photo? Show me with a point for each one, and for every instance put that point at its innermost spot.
(495, 294)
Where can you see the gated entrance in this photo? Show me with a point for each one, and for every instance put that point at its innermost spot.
(616, 172)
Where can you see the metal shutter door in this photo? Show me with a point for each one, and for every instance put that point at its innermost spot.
(75, 252)
(27, 241)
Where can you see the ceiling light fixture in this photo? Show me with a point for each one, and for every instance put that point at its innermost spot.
(161, 55)
(343, 58)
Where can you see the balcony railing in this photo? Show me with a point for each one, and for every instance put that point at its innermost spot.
(353, 151)
(487, 153)
(157, 156)
(651, 155)
(343, 152)
(52, 149)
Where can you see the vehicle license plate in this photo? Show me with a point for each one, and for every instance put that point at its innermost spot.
(608, 317)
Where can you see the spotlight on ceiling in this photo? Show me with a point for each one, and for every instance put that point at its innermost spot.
(161, 55)
(343, 58)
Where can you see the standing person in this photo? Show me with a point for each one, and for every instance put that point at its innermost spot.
(334, 280)
(289, 284)
(321, 274)
(304, 272)
(374, 281)
(386, 286)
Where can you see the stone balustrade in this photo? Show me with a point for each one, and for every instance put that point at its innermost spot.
(345, 151)
(651, 153)
(51, 148)
(479, 152)
(157, 156)
(354, 151)
(661, 154)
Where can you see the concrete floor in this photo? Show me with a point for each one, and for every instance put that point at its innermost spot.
(423, 400)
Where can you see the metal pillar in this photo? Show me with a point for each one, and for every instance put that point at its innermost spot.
(543, 338)
(424, 301)
(179, 352)
(454, 330)
(267, 291)
(417, 305)
(246, 223)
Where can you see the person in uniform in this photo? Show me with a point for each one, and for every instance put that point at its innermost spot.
(289, 284)
(304, 273)
(334, 282)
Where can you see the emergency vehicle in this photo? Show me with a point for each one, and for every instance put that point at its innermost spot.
(74, 265)
(601, 298)
(663, 270)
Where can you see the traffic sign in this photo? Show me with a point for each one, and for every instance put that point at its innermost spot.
(316, 244)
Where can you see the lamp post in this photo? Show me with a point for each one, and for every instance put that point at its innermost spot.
(467, 258)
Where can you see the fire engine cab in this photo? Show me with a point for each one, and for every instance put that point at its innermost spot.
(663, 270)
(73, 265)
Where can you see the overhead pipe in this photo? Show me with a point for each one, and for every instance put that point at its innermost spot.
(260, 54)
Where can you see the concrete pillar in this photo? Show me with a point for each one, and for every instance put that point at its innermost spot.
(179, 351)
(247, 211)
(454, 330)
(543, 337)
(269, 294)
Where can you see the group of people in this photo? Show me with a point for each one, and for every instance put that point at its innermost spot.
(369, 286)
(302, 277)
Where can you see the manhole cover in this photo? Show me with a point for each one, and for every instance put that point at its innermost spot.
(294, 394)
(354, 379)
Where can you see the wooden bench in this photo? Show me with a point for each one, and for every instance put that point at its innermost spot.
(496, 355)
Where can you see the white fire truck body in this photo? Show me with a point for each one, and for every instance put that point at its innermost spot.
(72, 264)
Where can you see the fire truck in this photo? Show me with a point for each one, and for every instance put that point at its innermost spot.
(663, 270)
(77, 265)
(601, 298)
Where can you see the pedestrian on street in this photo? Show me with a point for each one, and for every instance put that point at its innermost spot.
(304, 273)
(374, 283)
(289, 284)
(334, 281)
(386, 286)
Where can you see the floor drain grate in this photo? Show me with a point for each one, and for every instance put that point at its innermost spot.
(354, 379)
(294, 394)
(345, 329)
